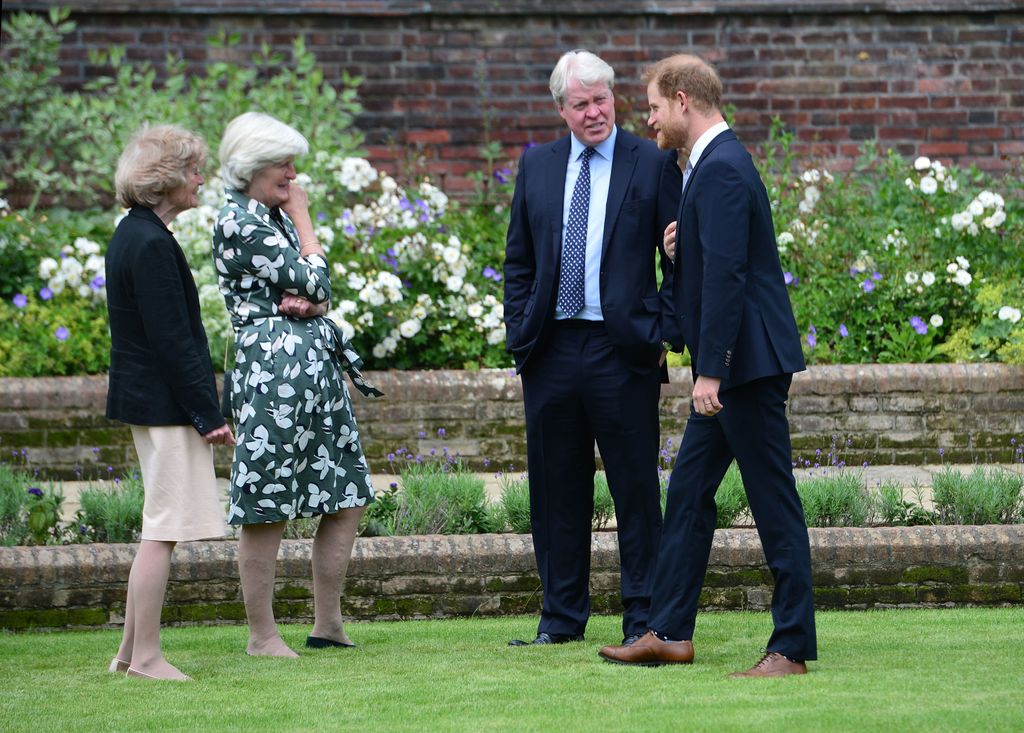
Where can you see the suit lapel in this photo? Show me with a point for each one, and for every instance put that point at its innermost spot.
(623, 165)
(718, 140)
(554, 183)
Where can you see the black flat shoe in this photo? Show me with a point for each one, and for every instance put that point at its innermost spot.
(630, 639)
(318, 642)
(546, 638)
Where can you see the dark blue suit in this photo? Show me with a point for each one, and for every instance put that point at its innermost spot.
(729, 306)
(586, 381)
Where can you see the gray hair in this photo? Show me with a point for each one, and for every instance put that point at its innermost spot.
(253, 141)
(583, 66)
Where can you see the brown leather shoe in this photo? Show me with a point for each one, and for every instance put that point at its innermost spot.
(649, 651)
(773, 664)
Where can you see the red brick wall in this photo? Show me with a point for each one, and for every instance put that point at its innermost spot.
(930, 77)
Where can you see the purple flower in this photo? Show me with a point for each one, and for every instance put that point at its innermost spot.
(491, 274)
(422, 435)
(349, 229)
(440, 432)
(919, 325)
(788, 278)
(35, 491)
(502, 175)
(530, 144)
(404, 204)
(843, 330)
(854, 271)
(321, 216)
(20, 301)
(876, 275)
(97, 283)
(812, 340)
(46, 294)
(61, 333)
(867, 286)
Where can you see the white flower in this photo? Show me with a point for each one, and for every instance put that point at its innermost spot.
(785, 239)
(972, 229)
(922, 163)
(379, 351)
(390, 342)
(929, 185)
(454, 283)
(962, 261)
(47, 266)
(961, 221)
(910, 278)
(451, 255)
(356, 281)
(976, 207)
(474, 310)
(951, 268)
(812, 194)
(409, 328)
(811, 176)
(935, 320)
(950, 185)
(928, 278)
(1009, 313)
(998, 218)
(909, 183)
(986, 199)
(962, 277)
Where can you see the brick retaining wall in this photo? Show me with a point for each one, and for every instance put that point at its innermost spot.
(83, 586)
(943, 78)
(891, 414)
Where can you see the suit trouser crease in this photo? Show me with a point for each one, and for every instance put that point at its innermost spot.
(577, 390)
(752, 428)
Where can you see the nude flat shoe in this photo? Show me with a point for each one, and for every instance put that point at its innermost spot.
(142, 675)
(118, 666)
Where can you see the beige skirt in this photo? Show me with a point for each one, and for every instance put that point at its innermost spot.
(182, 501)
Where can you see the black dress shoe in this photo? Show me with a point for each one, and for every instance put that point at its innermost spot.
(630, 639)
(546, 638)
(318, 642)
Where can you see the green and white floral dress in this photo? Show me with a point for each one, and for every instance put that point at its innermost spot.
(298, 452)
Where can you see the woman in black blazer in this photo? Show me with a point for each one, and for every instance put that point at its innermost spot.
(161, 378)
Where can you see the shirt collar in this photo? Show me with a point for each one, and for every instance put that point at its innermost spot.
(704, 140)
(605, 148)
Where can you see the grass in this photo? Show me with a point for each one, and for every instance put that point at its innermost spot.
(905, 670)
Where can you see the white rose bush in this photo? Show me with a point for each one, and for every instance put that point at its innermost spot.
(899, 261)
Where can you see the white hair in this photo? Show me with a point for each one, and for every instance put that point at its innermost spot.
(583, 66)
(253, 141)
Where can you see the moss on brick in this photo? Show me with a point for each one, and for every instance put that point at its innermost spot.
(293, 591)
(33, 618)
(936, 574)
(87, 617)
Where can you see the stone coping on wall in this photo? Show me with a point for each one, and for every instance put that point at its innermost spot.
(519, 7)
(83, 586)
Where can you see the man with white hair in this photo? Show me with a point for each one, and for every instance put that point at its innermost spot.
(582, 316)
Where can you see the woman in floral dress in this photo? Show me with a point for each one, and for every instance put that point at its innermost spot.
(298, 451)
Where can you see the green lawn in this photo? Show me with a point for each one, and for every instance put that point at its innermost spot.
(934, 670)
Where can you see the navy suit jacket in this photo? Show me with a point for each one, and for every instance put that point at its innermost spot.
(638, 210)
(160, 368)
(728, 303)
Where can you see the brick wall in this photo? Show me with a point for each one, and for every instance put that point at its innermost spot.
(891, 414)
(941, 78)
(83, 586)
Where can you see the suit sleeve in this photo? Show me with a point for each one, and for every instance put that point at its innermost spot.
(520, 263)
(724, 204)
(160, 295)
(669, 190)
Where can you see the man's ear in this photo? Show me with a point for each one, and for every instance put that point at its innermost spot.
(683, 100)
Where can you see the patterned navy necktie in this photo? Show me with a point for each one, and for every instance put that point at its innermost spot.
(574, 248)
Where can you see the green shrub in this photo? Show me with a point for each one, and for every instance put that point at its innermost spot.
(379, 518)
(731, 498)
(993, 496)
(604, 505)
(14, 484)
(894, 510)
(515, 503)
(112, 513)
(441, 498)
(835, 498)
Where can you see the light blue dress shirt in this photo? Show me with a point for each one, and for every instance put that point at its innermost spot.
(600, 176)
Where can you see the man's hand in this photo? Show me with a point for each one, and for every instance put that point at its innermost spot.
(298, 307)
(669, 241)
(220, 436)
(705, 396)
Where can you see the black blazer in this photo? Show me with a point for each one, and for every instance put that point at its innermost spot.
(637, 214)
(160, 368)
(728, 302)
